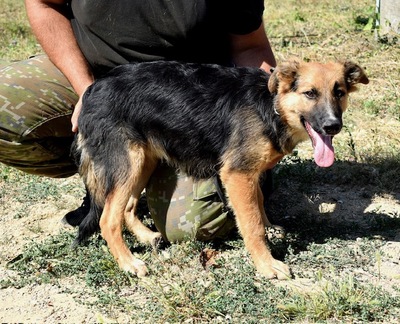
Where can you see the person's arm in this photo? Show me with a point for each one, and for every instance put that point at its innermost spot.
(253, 49)
(52, 28)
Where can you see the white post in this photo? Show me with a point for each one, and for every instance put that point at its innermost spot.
(389, 17)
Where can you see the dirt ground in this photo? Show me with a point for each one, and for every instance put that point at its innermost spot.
(35, 303)
(50, 303)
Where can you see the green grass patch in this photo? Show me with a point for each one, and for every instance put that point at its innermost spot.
(178, 288)
(16, 39)
(341, 300)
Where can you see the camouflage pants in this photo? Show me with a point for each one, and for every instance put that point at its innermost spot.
(36, 104)
(181, 207)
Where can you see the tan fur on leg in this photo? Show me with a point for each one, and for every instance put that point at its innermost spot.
(260, 198)
(242, 191)
(117, 208)
(111, 224)
(273, 231)
(136, 227)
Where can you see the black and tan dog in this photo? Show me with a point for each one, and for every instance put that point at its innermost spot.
(206, 120)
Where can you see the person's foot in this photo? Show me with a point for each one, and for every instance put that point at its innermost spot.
(75, 217)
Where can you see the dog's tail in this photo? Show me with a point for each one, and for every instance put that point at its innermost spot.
(89, 224)
(87, 217)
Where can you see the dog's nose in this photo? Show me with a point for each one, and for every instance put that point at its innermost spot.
(332, 127)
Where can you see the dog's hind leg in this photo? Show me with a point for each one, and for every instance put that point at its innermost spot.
(133, 223)
(242, 190)
(142, 233)
(113, 217)
(111, 225)
(260, 199)
(273, 230)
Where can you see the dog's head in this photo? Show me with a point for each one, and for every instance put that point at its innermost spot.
(311, 97)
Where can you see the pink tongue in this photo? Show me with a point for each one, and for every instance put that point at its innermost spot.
(324, 154)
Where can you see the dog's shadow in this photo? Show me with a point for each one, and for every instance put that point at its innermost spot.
(347, 201)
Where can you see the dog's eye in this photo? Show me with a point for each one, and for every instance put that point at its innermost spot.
(311, 94)
(339, 93)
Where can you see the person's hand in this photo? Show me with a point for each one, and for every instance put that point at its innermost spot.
(75, 115)
(78, 106)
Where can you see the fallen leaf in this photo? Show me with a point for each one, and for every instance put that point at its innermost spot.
(208, 258)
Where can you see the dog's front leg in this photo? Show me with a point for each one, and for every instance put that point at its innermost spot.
(274, 231)
(243, 190)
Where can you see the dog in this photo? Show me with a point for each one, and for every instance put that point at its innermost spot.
(206, 120)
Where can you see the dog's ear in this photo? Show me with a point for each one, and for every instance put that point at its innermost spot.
(284, 75)
(354, 74)
(273, 81)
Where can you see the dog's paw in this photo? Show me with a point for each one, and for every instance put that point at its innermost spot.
(148, 237)
(275, 232)
(275, 269)
(137, 267)
(140, 267)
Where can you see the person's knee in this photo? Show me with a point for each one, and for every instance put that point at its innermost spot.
(38, 157)
(185, 209)
(35, 129)
(36, 100)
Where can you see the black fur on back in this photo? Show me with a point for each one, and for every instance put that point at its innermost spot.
(188, 109)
